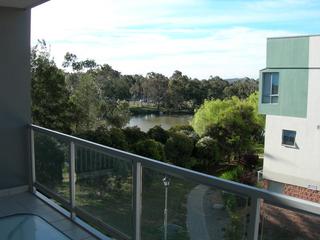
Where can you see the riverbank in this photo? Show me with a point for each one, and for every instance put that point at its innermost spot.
(145, 110)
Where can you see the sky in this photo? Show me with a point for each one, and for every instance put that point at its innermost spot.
(201, 38)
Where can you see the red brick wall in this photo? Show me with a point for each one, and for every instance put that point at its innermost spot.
(298, 192)
(302, 193)
(280, 223)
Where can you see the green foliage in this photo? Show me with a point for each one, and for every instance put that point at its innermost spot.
(113, 137)
(207, 151)
(186, 130)
(114, 86)
(118, 138)
(227, 122)
(176, 95)
(115, 113)
(234, 230)
(71, 60)
(92, 101)
(50, 160)
(179, 128)
(150, 148)
(136, 89)
(159, 134)
(178, 149)
(215, 87)
(234, 174)
(241, 89)
(155, 87)
(51, 107)
(87, 103)
(210, 112)
(134, 134)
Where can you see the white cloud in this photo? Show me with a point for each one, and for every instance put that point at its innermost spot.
(100, 31)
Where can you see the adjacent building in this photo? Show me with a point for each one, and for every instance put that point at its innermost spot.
(290, 99)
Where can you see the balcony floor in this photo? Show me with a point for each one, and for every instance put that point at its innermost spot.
(27, 203)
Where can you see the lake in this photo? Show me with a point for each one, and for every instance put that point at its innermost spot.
(145, 122)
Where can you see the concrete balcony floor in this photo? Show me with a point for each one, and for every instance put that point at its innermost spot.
(27, 203)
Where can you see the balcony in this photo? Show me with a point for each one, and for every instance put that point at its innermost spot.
(110, 193)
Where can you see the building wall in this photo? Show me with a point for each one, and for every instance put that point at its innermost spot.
(288, 52)
(15, 97)
(299, 165)
(293, 93)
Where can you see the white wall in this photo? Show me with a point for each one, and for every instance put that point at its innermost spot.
(314, 51)
(301, 165)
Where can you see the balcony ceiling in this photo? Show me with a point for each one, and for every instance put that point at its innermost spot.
(21, 3)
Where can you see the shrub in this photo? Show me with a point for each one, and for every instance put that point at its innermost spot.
(51, 155)
(159, 134)
(179, 128)
(134, 134)
(186, 130)
(207, 151)
(179, 148)
(234, 174)
(150, 148)
(118, 139)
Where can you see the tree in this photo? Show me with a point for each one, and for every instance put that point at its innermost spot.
(176, 90)
(159, 134)
(210, 112)
(118, 138)
(71, 60)
(234, 123)
(215, 87)
(114, 86)
(51, 155)
(51, 107)
(115, 113)
(134, 134)
(155, 87)
(136, 89)
(194, 92)
(150, 148)
(207, 151)
(87, 101)
(178, 149)
(242, 88)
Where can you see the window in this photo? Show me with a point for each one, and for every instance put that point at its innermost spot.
(288, 137)
(270, 87)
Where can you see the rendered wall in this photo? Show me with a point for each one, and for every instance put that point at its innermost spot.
(300, 165)
(288, 52)
(289, 57)
(15, 97)
(293, 93)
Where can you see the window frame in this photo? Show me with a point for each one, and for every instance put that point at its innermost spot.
(270, 96)
(282, 138)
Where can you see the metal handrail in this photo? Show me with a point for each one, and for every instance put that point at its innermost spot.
(255, 194)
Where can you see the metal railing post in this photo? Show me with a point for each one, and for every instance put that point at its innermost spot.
(72, 179)
(33, 162)
(137, 199)
(254, 218)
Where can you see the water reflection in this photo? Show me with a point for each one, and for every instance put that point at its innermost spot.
(145, 122)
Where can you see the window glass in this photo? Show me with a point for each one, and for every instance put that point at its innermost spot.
(274, 99)
(266, 81)
(275, 83)
(270, 87)
(288, 137)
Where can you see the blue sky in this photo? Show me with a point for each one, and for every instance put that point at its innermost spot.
(198, 37)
